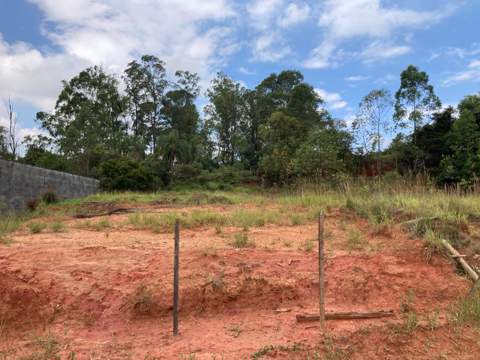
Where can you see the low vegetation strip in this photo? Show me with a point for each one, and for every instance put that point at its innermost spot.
(381, 207)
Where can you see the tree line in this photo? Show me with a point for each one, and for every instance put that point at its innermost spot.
(144, 131)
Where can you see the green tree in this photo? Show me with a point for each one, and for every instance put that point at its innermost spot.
(373, 122)
(88, 119)
(38, 153)
(414, 99)
(3, 142)
(180, 138)
(146, 84)
(433, 140)
(282, 135)
(226, 114)
(463, 165)
(322, 155)
(471, 103)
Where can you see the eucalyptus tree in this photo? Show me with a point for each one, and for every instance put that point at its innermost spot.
(414, 99)
(179, 137)
(226, 113)
(146, 84)
(88, 120)
(373, 121)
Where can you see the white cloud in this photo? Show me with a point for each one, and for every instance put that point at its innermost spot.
(28, 75)
(245, 71)
(472, 73)
(262, 12)
(380, 51)
(294, 14)
(268, 42)
(186, 34)
(472, 50)
(356, 78)
(346, 19)
(332, 100)
(270, 47)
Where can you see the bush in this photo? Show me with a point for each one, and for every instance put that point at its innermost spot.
(124, 174)
(32, 205)
(49, 197)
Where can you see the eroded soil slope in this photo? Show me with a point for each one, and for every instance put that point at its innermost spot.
(106, 293)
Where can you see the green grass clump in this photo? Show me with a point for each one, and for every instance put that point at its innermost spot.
(247, 218)
(355, 240)
(206, 218)
(36, 227)
(165, 222)
(9, 224)
(467, 311)
(297, 219)
(241, 240)
(433, 244)
(45, 347)
(101, 225)
(57, 227)
(308, 245)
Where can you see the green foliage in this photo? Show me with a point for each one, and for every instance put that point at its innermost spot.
(86, 127)
(46, 347)
(414, 98)
(241, 240)
(467, 310)
(36, 227)
(355, 240)
(282, 135)
(463, 164)
(49, 198)
(151, 135)
(124, 174)
(373, 121)
(57, 227)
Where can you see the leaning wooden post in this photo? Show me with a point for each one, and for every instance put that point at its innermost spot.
(321, 270)
(176, 277)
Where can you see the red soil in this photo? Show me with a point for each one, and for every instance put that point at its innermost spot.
(108, 295)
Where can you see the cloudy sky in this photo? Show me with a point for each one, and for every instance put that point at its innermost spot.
(344, 47)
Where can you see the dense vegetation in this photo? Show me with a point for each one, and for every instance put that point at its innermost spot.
(145, 132)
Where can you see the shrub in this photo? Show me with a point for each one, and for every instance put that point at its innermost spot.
(32, 205)
(124, 174)
(241, 240)
(36, 227)
(142, 300)
(467, 310)
(49, 197)
(57, 227)
(355, 240)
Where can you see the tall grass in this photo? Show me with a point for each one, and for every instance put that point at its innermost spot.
(380, 201)
(467, 311)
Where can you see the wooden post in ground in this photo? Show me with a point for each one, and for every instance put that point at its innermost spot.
(321, 269)
(176, 259)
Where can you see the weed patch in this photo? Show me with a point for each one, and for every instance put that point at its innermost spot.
(36, 227)
(355, 240)
(467, 311)
(241, 240)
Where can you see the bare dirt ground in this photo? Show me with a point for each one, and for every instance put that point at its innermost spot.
(107, 294)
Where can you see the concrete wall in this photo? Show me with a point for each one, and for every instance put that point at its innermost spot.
(21, 183)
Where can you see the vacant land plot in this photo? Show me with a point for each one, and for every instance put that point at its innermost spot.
(92, 279)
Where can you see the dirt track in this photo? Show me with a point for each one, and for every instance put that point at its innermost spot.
(107, 295)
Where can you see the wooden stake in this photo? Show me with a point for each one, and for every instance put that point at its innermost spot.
(456, 255)
(321, 270)
(176, 259)
(346, 315)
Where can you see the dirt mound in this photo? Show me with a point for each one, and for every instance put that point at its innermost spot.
(22, 302)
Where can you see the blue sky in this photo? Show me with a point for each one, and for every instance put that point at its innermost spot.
(345, 48)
